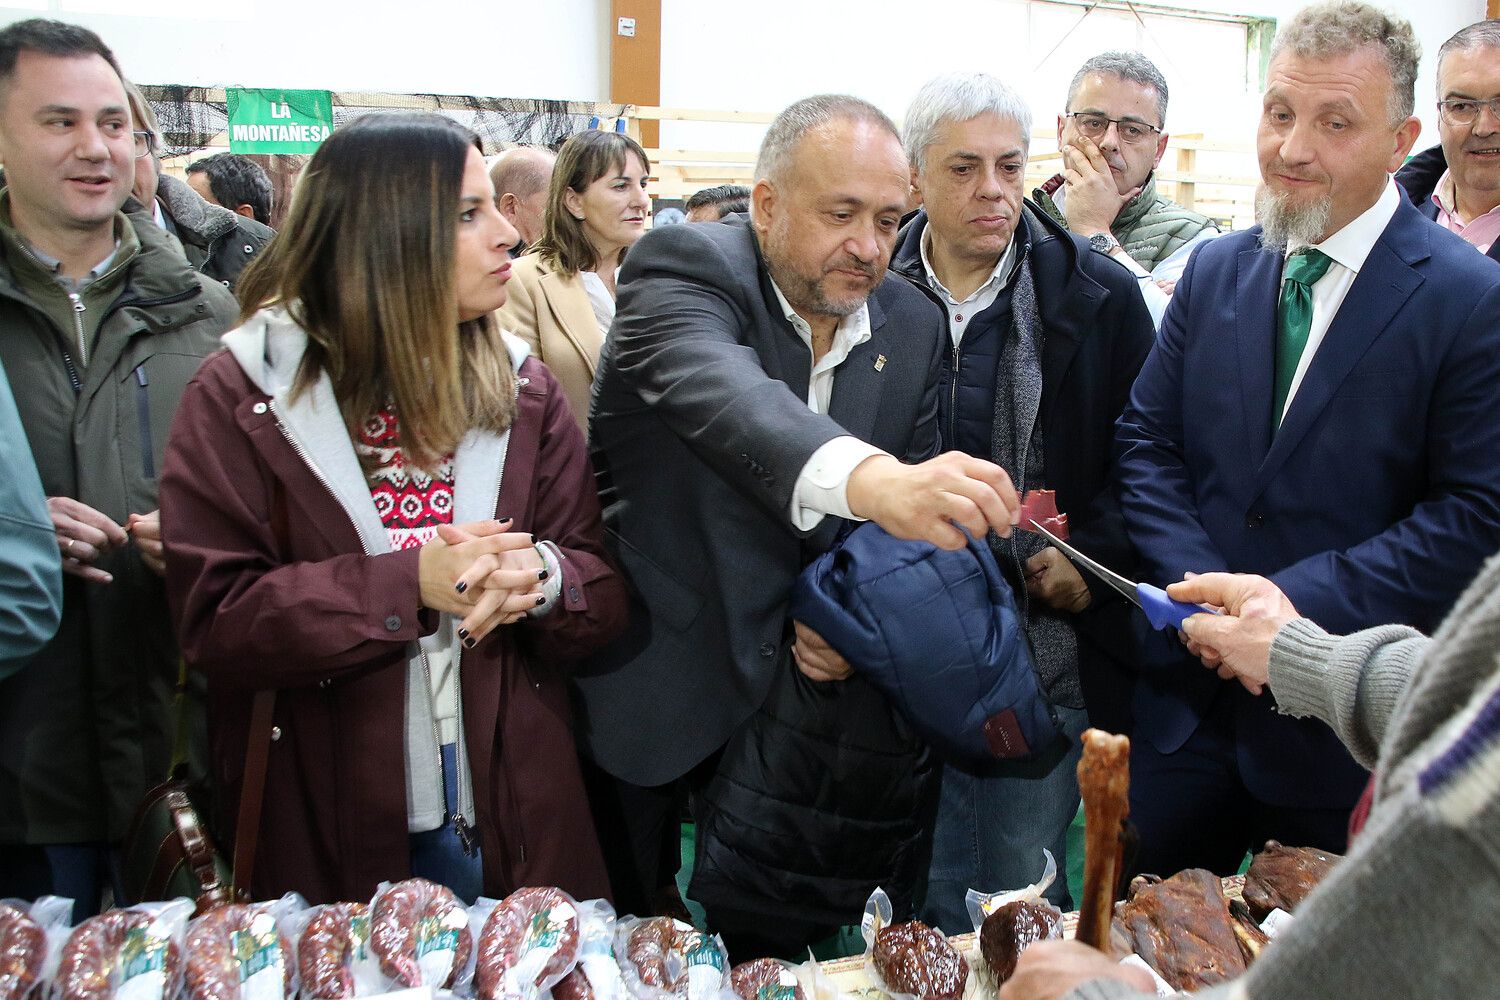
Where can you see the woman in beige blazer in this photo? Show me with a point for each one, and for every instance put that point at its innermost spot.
(562, 292)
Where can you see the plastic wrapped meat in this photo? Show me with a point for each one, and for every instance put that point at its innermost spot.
(1011, 929)
(913, 958)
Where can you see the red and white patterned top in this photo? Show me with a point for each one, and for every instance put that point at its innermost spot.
(411, 503)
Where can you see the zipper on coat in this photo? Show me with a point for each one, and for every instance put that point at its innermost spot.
(456, 815)
(78, 310)
(143, 418)
(953, 399)
(73, 378)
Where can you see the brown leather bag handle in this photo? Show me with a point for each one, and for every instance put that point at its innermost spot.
(258, 743)
(252, 792)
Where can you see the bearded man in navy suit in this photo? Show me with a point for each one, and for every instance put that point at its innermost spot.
(1320, 408)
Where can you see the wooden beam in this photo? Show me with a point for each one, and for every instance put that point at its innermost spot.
(1492, 8)
(635, 62)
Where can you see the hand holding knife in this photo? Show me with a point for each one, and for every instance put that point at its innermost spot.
(1160, 610)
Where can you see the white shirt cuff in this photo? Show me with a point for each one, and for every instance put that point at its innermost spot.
(822, 487)
(552, 589)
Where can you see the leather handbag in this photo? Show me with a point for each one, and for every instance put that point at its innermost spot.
(168, 850)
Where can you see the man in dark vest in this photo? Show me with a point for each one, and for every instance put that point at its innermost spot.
(1112, 137)
(1045, 337)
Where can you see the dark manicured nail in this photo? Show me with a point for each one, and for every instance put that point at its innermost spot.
(463, 633)
(460, 586)
(541, 574)
(504, 520)
(469, 643)
(541, 599)
(533, 539)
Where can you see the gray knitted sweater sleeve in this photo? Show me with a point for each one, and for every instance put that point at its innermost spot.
(1414, 909)
(1351, 682)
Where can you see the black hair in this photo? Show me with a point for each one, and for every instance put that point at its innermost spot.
(727, 198)
(237, 180)
(54, 38)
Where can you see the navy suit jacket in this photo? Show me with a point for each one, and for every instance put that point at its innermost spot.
(1375, 502)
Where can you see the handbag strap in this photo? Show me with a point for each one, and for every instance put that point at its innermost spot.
(258, 742)
(252, 792)
(179, 721)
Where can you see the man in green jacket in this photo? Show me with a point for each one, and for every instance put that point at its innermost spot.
(1112, 137)
(102, 324)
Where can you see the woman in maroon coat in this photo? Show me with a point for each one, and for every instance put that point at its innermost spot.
(381, 508)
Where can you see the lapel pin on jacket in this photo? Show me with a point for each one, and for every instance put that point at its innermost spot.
(880, 362)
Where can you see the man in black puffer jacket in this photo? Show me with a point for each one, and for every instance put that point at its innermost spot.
(1046, 338)
(217, 242)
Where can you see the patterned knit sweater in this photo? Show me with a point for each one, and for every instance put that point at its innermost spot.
(1414, 910)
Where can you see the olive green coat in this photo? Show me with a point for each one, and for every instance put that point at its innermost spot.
(87, 727)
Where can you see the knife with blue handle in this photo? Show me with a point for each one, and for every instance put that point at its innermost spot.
(1160, 610)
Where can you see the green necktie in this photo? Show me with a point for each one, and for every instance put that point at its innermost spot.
(1294, 320)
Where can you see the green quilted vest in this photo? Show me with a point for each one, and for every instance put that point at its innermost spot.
(1150, 227)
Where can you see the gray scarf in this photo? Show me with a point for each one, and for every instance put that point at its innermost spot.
(1016, 446)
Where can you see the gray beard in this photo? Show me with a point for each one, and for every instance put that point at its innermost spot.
(1284, 224)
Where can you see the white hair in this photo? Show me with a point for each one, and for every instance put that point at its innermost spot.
(958, 97)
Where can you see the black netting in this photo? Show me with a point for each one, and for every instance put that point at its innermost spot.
(194, 118)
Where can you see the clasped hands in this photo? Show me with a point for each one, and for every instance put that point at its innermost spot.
(484, 574)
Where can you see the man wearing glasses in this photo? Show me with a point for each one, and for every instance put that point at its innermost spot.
(1112, 138)
(1457, 184)
(218, 242)
(102, 324)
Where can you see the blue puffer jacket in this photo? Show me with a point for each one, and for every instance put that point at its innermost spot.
(938, 632)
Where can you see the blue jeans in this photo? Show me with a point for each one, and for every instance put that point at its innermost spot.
(438, 855)
(993, 822)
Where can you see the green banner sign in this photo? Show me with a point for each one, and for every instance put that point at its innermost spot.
(278, 121)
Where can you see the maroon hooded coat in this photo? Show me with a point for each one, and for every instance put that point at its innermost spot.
(329, 627)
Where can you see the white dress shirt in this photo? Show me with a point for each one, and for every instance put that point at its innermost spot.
(960, 313)
(600, 300)
(1168, 269)
(1348, 248)
(822, 486)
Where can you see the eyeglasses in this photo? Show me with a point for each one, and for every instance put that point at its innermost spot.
(1466, 112)
(145, 142)
(1092, 126)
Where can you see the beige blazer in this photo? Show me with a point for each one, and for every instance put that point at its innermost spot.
(551, 312)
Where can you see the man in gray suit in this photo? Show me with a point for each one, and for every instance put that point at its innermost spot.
(760, 384)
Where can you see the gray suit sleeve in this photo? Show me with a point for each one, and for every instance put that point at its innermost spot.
(690, 339)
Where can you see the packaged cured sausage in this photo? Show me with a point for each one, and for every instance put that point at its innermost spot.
(765, 979)
(1009, 922)
(661, 958)
(132, 954)
(910, 959)
(31, 934)
(334, 959)
(529, 942)
(419, 932)
(597, 974)
(240, 952)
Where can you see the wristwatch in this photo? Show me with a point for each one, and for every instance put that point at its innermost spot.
(1105, 243)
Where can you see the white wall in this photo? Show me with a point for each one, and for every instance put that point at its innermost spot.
(721, 55)
(488, 48)
(715, 53)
